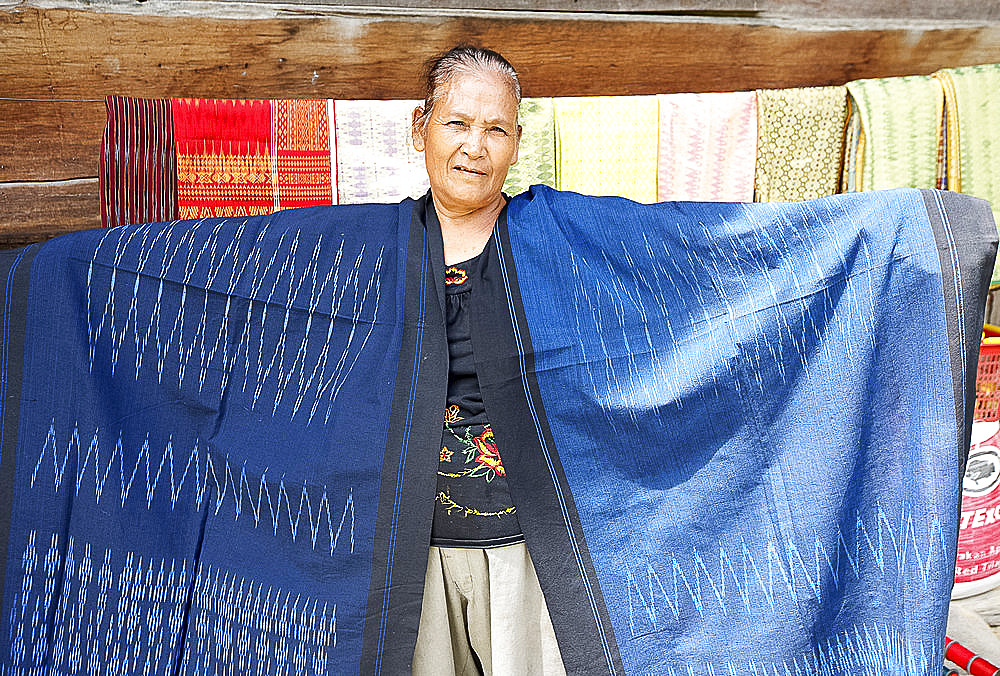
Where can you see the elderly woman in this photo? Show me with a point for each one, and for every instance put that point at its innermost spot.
(483, 610)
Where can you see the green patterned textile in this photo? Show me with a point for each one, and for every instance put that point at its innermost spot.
(536, 161)
(900, 125)
(973, 97)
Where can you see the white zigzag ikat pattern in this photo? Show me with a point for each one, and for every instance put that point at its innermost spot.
(259, 312)
(742, 580)
(117, 613)
(270, 503)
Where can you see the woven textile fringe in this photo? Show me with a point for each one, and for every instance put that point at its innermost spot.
(536, 158)
(247, 158)
(900, 126)
(800, 136)
(949, 150)
(606, 145)
(376, 159)
(138, 172)
(850, 177)
(707, 147)
(972, 102)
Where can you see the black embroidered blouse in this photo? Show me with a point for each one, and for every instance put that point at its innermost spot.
(472, 507)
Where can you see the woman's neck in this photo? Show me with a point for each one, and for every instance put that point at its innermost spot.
(465, 234)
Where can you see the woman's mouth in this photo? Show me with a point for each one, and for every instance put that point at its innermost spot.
(469, 170)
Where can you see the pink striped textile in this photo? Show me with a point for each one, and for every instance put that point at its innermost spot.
(707, 147)
(138, 171)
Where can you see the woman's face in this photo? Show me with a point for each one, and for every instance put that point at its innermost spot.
(470, 141)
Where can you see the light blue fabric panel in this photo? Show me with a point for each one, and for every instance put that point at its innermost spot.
(753, 407)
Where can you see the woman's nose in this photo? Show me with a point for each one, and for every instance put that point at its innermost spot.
(473, 142)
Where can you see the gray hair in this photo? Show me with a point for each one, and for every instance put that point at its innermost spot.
(442, 69)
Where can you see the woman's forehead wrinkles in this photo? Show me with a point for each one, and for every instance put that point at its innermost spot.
(466, 94)
(462, 111)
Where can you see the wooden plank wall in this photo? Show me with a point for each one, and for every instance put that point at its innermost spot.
(59, 61)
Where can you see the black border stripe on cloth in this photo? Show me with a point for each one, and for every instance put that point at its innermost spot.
(538, 486)
(17, 264)
(961, 224)
(406, 497)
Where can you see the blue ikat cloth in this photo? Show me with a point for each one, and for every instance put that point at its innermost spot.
(734, 433)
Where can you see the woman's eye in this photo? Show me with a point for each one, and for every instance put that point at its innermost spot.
(456, 123)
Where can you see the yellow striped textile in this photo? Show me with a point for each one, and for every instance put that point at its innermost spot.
(972, 102)
(606, 145)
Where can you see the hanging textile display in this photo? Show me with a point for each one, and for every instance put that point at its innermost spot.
(898, 138)
(138, 170)
(707, 147)
(247, 158)
(536, 157)
(606, 145)
(799, 142)
(376, 158)
(972, 100)
(732, 433)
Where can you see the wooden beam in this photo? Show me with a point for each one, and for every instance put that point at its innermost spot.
(671, 7)
(56, 53)
(34, 212)
(50, 140)
(956, 10)
(73, 58)
(857, 10)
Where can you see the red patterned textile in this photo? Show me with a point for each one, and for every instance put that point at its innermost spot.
(138, 172)
(248, 158)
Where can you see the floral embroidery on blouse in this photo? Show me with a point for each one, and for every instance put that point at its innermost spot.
(450, 506)
(455, 276)
(482, 459)
(488, 456)
(472, 456)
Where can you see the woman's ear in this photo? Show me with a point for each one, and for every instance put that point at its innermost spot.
(417, 129)
(517, 144)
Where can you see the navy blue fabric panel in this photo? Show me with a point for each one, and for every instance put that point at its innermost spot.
(202, 430)
(752, 406)
(964, 230)
(409, 474)
(545, 505)
(14, 280)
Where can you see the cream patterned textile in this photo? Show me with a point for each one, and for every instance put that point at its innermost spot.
(707, 147)
(376, 161)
